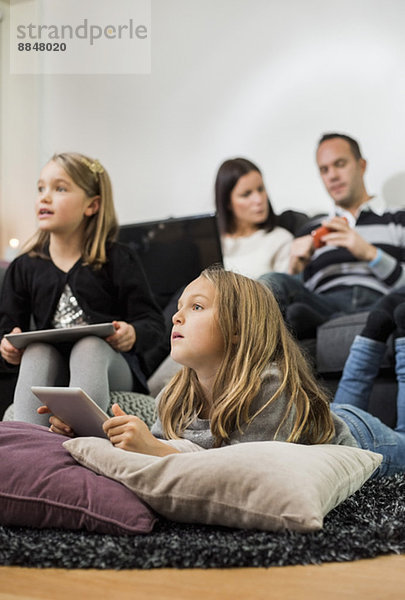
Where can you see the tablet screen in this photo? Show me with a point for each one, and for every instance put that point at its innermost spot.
(54, 336)
(75, 408)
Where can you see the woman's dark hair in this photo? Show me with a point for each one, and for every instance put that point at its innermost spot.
(228, 175)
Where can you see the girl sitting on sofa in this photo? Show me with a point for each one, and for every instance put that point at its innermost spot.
(252, 242)
(74, 273)
(243, 379)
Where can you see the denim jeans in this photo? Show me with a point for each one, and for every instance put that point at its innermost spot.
(289, 289)
(371, 434)
(360, 370)
(400, 373)
(351, 401)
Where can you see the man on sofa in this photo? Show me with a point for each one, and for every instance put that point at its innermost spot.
(358, 258)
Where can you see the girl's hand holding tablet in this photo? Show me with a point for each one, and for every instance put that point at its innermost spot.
(132, 434)
(56, 425)
(124, 337)
(11, 354)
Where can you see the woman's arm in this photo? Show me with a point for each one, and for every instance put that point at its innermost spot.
(281, 259)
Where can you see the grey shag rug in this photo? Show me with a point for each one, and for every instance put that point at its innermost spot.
(368, 524)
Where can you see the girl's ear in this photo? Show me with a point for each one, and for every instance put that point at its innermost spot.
(235, 338)
(93, 207)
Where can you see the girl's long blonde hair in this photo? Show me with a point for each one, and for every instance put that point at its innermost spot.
(100, 227)
(248, 312)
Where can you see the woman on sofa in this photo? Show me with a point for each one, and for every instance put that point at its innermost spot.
(252, 242)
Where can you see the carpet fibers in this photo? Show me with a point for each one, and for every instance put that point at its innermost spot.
(368, 524)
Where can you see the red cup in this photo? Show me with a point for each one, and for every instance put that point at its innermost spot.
(317, 234)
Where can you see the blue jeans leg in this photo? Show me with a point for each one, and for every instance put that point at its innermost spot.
(289, 289)
(400, 372)
(360, 371)
(371, 434)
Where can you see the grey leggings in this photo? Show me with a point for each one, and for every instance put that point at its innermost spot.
(91, 364)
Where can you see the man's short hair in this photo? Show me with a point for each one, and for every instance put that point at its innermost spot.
(354, 146)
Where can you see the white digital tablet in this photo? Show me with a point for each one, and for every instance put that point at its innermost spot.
(75, 408)
(64, 334)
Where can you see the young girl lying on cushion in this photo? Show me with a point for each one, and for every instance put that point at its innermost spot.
(243, 379)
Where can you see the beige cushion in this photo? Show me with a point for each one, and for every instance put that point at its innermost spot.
(263, 485)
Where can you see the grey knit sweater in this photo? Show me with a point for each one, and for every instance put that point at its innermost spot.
(263, 428)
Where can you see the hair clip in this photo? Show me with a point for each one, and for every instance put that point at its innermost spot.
(95, 167)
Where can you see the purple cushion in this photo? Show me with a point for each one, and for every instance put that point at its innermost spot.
(41, 485)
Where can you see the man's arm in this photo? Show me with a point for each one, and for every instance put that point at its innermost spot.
(385, 267)
(345, 237)
(340, 235)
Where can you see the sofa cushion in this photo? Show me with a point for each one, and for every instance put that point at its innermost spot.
(133, 403)
(333, 341)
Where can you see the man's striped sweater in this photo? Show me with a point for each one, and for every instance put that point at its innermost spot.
(332, 267)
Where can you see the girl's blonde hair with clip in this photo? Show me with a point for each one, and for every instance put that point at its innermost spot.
(249, 313)
(101, 227)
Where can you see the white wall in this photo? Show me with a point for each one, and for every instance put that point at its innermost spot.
(19, 135)
(258, 78)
